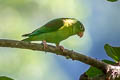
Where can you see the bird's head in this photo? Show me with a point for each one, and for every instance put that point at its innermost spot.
(81, 29)
(78, 27)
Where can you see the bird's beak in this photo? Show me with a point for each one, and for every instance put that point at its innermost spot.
(80, 34)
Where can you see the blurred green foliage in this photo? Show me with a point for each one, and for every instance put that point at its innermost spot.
(112, 0)
(5, 78)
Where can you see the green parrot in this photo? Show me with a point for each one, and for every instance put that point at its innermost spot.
(56, 31)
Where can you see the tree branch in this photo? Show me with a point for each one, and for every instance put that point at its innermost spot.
(67, 53)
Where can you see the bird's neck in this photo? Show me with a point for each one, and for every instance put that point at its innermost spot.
(74, 30)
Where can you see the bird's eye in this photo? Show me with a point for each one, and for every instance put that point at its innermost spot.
(82, 27)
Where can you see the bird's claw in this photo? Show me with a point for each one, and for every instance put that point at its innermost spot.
(44, 44)
(61, 48)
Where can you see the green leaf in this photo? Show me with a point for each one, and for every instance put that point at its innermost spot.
(113, 52)
(5, 78)
(109, 62)
(112, 0)
(94, 72)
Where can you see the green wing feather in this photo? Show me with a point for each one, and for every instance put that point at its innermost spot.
(49, 27)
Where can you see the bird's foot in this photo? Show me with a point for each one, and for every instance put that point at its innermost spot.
(61, 48)
(44, 44)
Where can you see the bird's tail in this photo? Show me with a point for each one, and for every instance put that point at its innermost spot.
(25, 35)
(26, 39)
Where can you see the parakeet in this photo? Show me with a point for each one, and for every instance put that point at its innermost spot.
(56, 31)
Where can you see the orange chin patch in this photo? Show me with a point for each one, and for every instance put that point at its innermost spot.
(80, 34)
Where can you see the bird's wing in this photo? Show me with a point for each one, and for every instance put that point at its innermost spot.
(51, 26)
